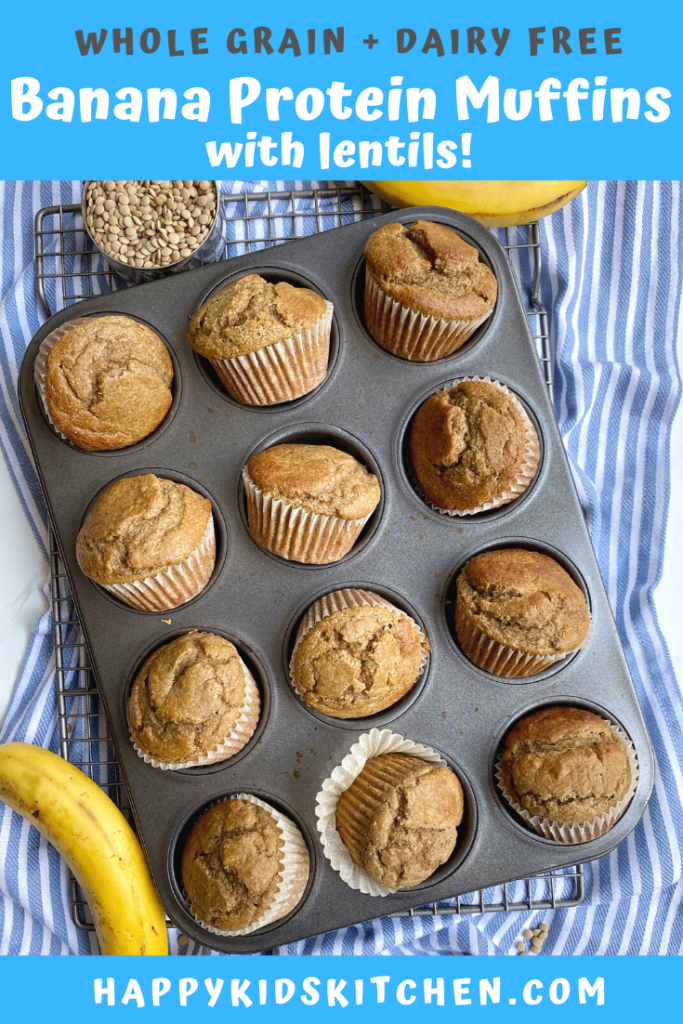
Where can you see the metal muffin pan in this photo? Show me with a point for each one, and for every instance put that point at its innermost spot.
(409, 553)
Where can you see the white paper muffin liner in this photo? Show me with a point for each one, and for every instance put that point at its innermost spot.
(499, 659)
(239, 736)
(40, 366)
(411, 335)
(295, 870)
(572, 833)
(281, 372)
(370, 744)
(295, 533)
(527, 471)
(350, 598)
(174, 585)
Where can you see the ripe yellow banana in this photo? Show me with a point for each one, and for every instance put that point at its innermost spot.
(96, 841)
(497, 204)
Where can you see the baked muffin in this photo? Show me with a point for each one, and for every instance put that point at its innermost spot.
(268, 343)
(399, 818)
(473, 447)
(565, 765)
(356, 655)
(193, 702)
(426, 290)
(518, 611)
(308, 502)
(106, 381)
(244, 866)
(150, 541)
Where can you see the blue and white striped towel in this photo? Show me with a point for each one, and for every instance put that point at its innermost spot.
(612, 284)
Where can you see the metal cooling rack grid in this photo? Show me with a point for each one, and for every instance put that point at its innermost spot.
(68, 271)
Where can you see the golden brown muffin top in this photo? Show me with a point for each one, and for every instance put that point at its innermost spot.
(316, 477)
(139, 526)
(431, 269)
(467, 445)
(250, 314)
(565, 764)
(187, 697)
(525, 600)
(107, 383)
(399, 818)
(357, 661)
(232, 864)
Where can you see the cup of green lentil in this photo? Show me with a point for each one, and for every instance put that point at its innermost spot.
(147, 229)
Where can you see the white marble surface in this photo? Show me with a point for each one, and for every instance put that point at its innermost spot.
(24, 571)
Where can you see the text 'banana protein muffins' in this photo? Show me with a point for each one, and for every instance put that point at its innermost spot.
(245, 865)
(518, 611)
(268, 343)
(356, 654)
(193, 702)
(105, 381)
(426, 290)
(150, 541)
(568, 773)
(473, 447)
(308, 502)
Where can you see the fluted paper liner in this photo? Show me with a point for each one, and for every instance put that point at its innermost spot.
(174, 585)
(40, 366)
(350, 598)
(295, 533)
(239, 736)
(295, 866)
(499, 659)
(370, 744)
(281, 372)
(575, 832)
(409, 334)
(527, 471)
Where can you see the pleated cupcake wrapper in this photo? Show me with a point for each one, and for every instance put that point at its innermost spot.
(295, 868)
(499, 659)
(175, 585)
(40, 365)
(370, 744)
(575, 832)
(349, 598)
(281, 372)
(417, 336)
(527, 471)
(295, 533)
(239, 736)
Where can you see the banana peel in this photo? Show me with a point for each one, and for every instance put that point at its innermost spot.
(95, 840)
(496, 204)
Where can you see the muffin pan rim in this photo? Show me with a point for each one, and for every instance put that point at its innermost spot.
(480, 869)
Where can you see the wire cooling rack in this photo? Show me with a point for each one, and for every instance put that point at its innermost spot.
(67, 270)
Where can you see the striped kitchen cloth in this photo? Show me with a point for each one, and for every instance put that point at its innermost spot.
(612, 285)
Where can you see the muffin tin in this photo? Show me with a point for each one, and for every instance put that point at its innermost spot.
(408, 552)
